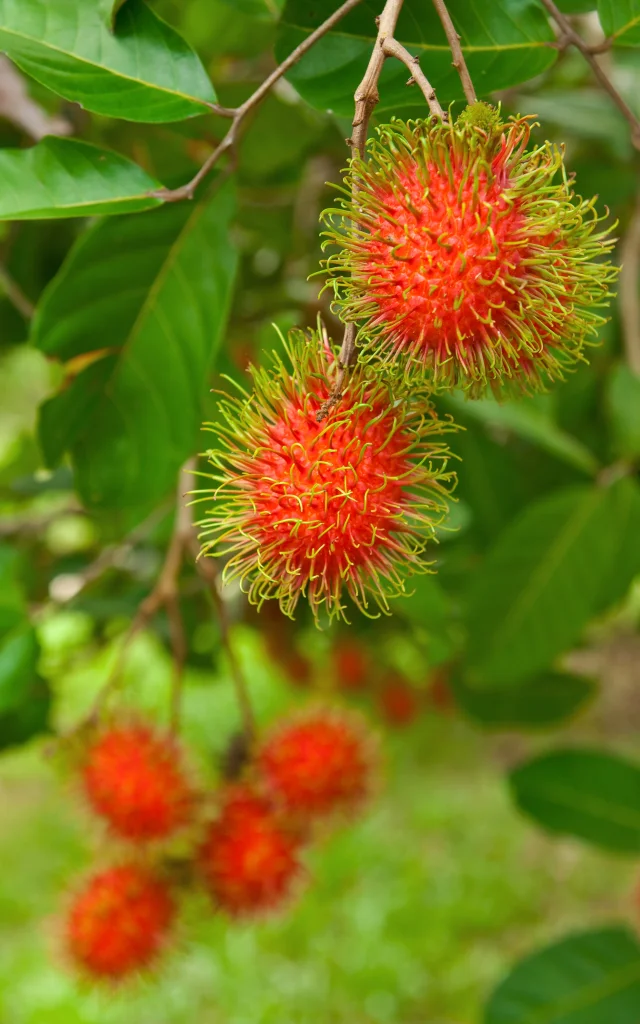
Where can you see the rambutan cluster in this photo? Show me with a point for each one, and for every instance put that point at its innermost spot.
(246, 853)
(466, 258)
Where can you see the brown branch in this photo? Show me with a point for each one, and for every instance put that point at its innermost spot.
(453, 39)
(630, 291)
(569, 34)
(239, 114)
(393, 48)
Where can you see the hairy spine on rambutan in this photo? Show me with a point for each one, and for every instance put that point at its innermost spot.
(325, 509)
(319, 763)
(119, 922)
(134, 778)
(465, 257)
(248, 858)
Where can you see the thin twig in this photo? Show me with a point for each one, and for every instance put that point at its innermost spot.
(453, 39)
(630, 291)
(239, 114)
(570, 35)
(393, 48)
(15, 295)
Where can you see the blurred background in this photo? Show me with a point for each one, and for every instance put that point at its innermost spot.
(416, 912)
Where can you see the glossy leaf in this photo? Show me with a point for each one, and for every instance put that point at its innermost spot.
(528, 421)
(620, 20)
(583, 793)
(67, 178)
(624, 524)
(537, 588)
(586, 978)
(623, 406)
(504, 43)
(144, 71)
(141, 302)
(536, 704)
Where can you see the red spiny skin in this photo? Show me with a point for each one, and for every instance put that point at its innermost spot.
(317, 765)
(248, 859)
(345, 499)
(352, 665)
(399, 701)
(472, 257)
(119, 922)
(134, 779)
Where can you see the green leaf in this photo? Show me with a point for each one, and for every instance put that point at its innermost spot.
(144, 71)
(28, 719)
(527, 420)
(504, 43)
(145, 298)
(538, 587)
(19, 653)
(576, 6)
(620, 20)
(587, 978)
(536, 704)
(12, 601)
(67, 178)
(584, 793)
(623, 407)
(624, 566)
(109, 9)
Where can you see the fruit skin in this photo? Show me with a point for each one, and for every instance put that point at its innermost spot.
(399, 701)
(133, 777)
(248, 859)
(318, 763)
(330, 509)
(352, 664)
(119, 922)
(466, 258)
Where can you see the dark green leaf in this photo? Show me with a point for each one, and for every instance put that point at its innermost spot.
(110, 9)
(19, 652)
(504, 43)
(143, 72)
(588, 978)
(12, 602)
(620, 19)
(29, 718)
(624, 526)
(584, 793)
(539, 585)
(67, 178)
(576, 6)
(538, 703)
(151, 294)
(623, 404)
(527, 420)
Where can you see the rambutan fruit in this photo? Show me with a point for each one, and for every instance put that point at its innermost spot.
(467, 257)
(324, 510)
(317, 764)
(248, 858)
(134, 778)
(351, 664)
(119, 922)
(399, 701)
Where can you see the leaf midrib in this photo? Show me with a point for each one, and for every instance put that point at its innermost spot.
(427, 47)
(92, 64)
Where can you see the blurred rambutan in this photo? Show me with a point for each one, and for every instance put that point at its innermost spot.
(119, 922)
(467, 254)
(325, 510)
(351, 664)
(248, 859)
(134, 778)
(318, 763)
(399, 701)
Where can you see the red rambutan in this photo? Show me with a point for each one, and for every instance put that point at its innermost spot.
(248, 858)
(352, 664)
(319, 509)
(133, 777)
(399, 701)
(318, 763)
(119, 922)
(467, 254)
